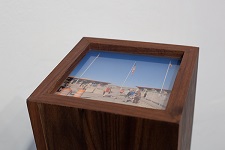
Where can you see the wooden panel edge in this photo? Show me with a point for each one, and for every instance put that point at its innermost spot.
(182, 82)
(145, 113)
(186, 120)
(145, 44)
(36, 125)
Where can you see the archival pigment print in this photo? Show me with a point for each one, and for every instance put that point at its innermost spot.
(137, 80)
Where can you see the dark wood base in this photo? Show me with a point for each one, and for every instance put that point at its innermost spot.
(66, 123)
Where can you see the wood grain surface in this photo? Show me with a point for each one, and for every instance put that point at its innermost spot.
(71, 128)
(61, 122)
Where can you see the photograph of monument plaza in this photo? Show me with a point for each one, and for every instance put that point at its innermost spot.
(129, 79)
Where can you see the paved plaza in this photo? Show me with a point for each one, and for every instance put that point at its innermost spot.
(121, 99)
(141, 97)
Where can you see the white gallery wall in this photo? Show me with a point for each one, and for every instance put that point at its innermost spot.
(36, 35)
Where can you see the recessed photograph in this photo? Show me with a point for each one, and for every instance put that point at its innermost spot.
(129, 79)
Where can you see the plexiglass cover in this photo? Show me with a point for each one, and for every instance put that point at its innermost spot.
(137, 80)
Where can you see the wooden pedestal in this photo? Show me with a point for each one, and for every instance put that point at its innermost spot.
(66, 123)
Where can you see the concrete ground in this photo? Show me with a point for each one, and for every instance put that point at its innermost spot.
(121, 99)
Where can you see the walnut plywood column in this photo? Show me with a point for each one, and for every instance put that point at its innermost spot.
(67, 122)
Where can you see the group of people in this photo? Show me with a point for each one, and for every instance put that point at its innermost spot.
(108, 90)
(133, 96)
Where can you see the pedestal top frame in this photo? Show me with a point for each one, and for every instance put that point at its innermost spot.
(189, 56)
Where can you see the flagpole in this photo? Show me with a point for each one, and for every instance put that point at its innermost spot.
(87, 68)
(128, 75)
(165, 77)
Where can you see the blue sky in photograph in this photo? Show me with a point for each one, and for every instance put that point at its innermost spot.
(114, 67)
